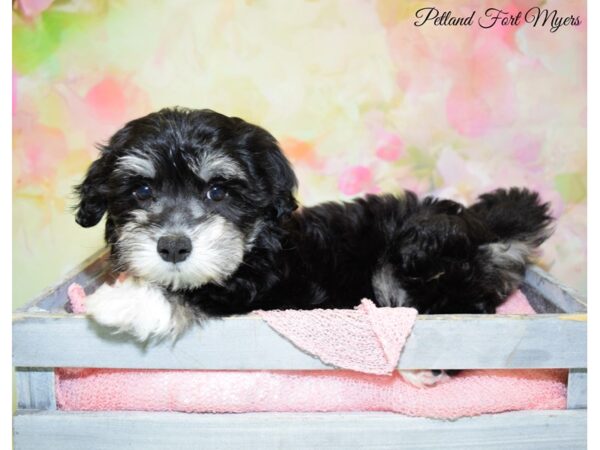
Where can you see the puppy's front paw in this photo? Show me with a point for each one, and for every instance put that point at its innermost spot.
(424, 378)
(130, 306)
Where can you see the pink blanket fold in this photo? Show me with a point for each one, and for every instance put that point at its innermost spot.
(378, 334)
(365, 339)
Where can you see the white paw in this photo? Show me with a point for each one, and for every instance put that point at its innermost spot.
(423, 378)
(134, 307)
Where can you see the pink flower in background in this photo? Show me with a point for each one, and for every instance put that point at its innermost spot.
(43, 148)
(482, 95)
(463, 179)
(106, 104)
(390, 147)
(34, 7)
(107, 99)
(549, 194)
(526, 149)
(355, 179)
(14, 93)
(300, 151)
(507, 33)
(467, 112)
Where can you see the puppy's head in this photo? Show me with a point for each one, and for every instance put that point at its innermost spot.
(186, 192)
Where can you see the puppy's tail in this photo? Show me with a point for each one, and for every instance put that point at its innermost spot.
(515, 215)
(521, 223)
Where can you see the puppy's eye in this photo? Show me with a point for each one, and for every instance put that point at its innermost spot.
(143, 192)
(216, 193)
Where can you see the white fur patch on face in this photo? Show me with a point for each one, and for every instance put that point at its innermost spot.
(217, 251)
(139, 309)
(211, 165)
(386, 286)
(138, 163)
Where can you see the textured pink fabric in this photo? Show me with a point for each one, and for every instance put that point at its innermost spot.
(76, 298)
(468, 394)
(515, 304)
(365, 339)
(471, 393)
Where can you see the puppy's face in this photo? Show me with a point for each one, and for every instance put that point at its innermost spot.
(186, 193)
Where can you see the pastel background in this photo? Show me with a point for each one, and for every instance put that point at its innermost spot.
(360, 99)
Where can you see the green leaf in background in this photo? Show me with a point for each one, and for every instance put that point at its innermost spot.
(35, 41)
(421, 162)
(571, 186)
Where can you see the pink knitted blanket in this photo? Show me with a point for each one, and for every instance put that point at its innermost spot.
(380, 334)
(365, 339)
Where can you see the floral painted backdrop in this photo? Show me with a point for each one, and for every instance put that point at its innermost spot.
(360, 99)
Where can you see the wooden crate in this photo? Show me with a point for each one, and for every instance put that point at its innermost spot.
(45, 337)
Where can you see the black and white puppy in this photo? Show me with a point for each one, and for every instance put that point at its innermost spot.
(201, 214)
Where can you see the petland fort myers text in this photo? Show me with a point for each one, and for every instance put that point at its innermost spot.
(494, 17)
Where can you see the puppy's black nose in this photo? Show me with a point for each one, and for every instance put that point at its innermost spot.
(174, 248)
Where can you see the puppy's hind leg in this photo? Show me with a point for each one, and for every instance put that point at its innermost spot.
(437, 238)
(434, 259)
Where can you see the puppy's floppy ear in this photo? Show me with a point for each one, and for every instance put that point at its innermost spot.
(284, 182)
(92, 193)
(272, 166)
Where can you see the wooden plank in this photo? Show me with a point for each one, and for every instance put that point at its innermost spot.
(147, 431)
(563, 297)
(538, 302)
(246, 342)
(35, 388)
(577, 389)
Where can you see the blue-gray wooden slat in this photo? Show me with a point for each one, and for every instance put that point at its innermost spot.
(246, 342)
(35, 388)
(577, 389)
(565, 298)
(548, 430)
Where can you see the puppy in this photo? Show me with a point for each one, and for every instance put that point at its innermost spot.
(201, 214)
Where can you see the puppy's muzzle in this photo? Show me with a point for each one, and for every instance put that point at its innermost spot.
(174, 248)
